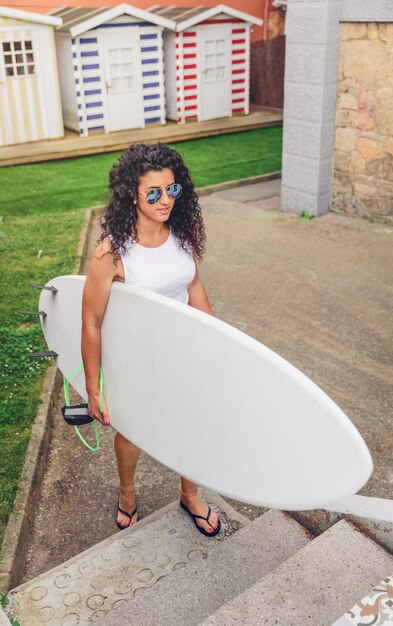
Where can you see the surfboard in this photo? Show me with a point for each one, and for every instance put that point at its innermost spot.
(209, 401)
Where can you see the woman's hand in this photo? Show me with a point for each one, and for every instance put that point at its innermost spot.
(102, 270)
(94, 408)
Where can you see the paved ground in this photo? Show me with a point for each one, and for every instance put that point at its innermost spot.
(318, 292)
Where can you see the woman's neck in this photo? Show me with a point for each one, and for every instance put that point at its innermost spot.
(151, 232)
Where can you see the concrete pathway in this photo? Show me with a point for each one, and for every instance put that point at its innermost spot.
(319, 293)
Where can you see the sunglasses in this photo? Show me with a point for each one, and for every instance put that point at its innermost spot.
(153, 195)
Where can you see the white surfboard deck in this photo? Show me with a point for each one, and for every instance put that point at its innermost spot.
(210, 402)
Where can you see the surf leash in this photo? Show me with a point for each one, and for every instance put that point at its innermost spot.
(78, 415)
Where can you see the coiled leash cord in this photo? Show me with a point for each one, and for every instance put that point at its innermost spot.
(79, 414)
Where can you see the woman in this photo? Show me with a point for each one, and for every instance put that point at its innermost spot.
(152, 235)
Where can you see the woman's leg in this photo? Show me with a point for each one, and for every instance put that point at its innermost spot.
(190, 497)
(127, 456)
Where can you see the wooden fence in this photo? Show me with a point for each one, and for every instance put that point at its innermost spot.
(267, 72)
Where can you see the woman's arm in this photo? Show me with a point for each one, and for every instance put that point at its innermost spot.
(197, 294)
(95, 299)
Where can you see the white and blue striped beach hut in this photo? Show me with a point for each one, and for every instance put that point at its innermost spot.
(111, 68)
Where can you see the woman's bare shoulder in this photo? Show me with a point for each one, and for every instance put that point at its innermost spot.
(103, 261)
(103, 248)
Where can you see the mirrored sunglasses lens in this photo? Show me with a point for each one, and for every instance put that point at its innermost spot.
(174, 190)
(153, 195)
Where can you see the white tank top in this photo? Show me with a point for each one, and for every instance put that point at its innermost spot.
(167, 269)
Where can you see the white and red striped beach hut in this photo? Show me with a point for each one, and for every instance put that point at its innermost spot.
(207, 62)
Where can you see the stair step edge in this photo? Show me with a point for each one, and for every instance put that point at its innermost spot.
(98, 578)
(314, 586)
(206, 584)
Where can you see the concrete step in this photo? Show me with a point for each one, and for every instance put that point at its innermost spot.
(315, 586)
(187, 596)
(103, 577)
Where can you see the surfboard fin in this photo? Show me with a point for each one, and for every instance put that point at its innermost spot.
(33, 313)
(49, 287)
(41, 354)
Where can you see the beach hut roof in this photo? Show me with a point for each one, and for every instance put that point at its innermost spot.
(28, 16)
(185, 17)
(78, 20)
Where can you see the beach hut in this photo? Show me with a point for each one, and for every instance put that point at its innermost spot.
(207, 62)
(111, 68)
(30, 107)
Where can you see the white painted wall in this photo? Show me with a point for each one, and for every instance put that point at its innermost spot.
(49, 80)
(161, 91)
(67, 85)
(170, 75)
(247, 76)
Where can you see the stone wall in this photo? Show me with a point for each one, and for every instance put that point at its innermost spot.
(363, 148)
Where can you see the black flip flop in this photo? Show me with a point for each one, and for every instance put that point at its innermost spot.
(195, 517)
(129, 515)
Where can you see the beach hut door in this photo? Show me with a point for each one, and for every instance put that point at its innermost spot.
(214, 52)
(123, 85)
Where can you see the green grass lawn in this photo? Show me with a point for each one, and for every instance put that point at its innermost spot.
(41, 209)
(78, 183)
(57, 234)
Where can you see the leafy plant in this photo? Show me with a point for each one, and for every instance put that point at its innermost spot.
(307, 216)
(4, 601)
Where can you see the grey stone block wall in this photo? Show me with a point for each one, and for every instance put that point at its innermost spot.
(311, 69)
(367, 11)
(312, 53)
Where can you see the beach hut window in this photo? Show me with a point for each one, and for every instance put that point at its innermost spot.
(215, 64)
(121, 70)
(18, 58)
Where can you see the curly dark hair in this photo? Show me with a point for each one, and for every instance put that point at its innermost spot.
(119, 219)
